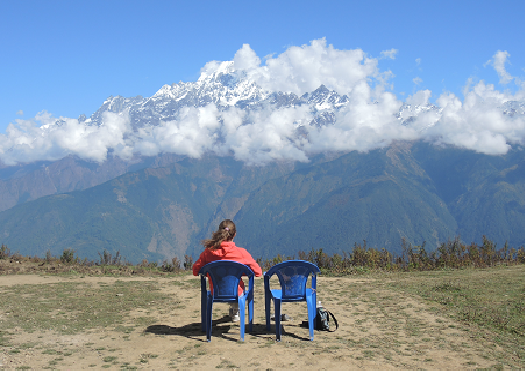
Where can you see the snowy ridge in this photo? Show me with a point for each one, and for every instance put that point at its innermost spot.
(512, 108)
(226, 87)
(408, 112)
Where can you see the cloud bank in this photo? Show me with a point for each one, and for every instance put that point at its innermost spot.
(367, 121)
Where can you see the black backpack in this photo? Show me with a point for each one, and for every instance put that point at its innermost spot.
(322, 319)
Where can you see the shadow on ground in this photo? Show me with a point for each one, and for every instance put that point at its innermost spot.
(221, 328)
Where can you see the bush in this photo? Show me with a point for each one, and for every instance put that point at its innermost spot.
(4, 252)
(174, 266)
(188, 262)
(107, 259)
(68, 257)
(49, 257)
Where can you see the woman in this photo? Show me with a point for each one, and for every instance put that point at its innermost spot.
(222, 247)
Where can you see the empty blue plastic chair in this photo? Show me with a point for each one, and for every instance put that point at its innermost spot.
(293, 276)
(225, 276)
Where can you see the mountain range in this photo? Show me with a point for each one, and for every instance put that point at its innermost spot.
(158, 207)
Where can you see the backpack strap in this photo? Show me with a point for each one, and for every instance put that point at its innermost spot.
(335, 321)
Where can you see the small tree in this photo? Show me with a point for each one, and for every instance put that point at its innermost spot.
(105, 258)
(188, 262)
(4, 252)
(49, 257)
(175, 263)
(68, 257)
(173, 267)
(116, 259)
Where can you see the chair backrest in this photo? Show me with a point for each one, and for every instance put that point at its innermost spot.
(225, 276)
(293, 275)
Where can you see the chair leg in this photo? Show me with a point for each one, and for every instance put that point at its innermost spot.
(310, 306)
(250, 313)
(208, 318)
(204, 300)
(203, 316)
(267, 308)
(242, 304)
(278, 331)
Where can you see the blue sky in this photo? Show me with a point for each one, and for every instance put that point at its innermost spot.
(67, 57)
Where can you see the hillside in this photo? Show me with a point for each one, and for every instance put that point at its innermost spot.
(379, 197)
(150, 214)
(411, 190)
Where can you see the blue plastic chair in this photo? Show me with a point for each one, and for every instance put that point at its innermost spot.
(293, 276)
(225, 276)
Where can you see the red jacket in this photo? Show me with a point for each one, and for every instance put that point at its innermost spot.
(227, 251)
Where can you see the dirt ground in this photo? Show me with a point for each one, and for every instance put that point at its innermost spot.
(378, 329)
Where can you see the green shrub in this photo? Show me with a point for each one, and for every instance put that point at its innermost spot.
(4, 252)
(107, 259)
(68, 257)
(174, 266)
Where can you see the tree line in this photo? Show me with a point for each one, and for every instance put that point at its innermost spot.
(452, 254)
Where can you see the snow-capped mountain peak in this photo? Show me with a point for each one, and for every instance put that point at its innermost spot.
(221, 84)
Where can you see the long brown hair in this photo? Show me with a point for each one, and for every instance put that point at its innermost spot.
(226, 232)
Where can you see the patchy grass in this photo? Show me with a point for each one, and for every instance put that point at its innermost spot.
(491, 298)
(482, 299)
(71, 308)
(470, 318)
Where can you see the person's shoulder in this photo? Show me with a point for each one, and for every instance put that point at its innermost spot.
(243, 250)
(240, 251)
(240, 248)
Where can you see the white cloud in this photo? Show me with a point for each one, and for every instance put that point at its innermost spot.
(246, 59)
(303, 69)
(368, 120)
(417, 80)
(389, 54)
(20, 113)
(478, 123)
(420, 98)
(27, 142)
(498, 62)
(361, 125)
(192, 134)
(270, 135)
